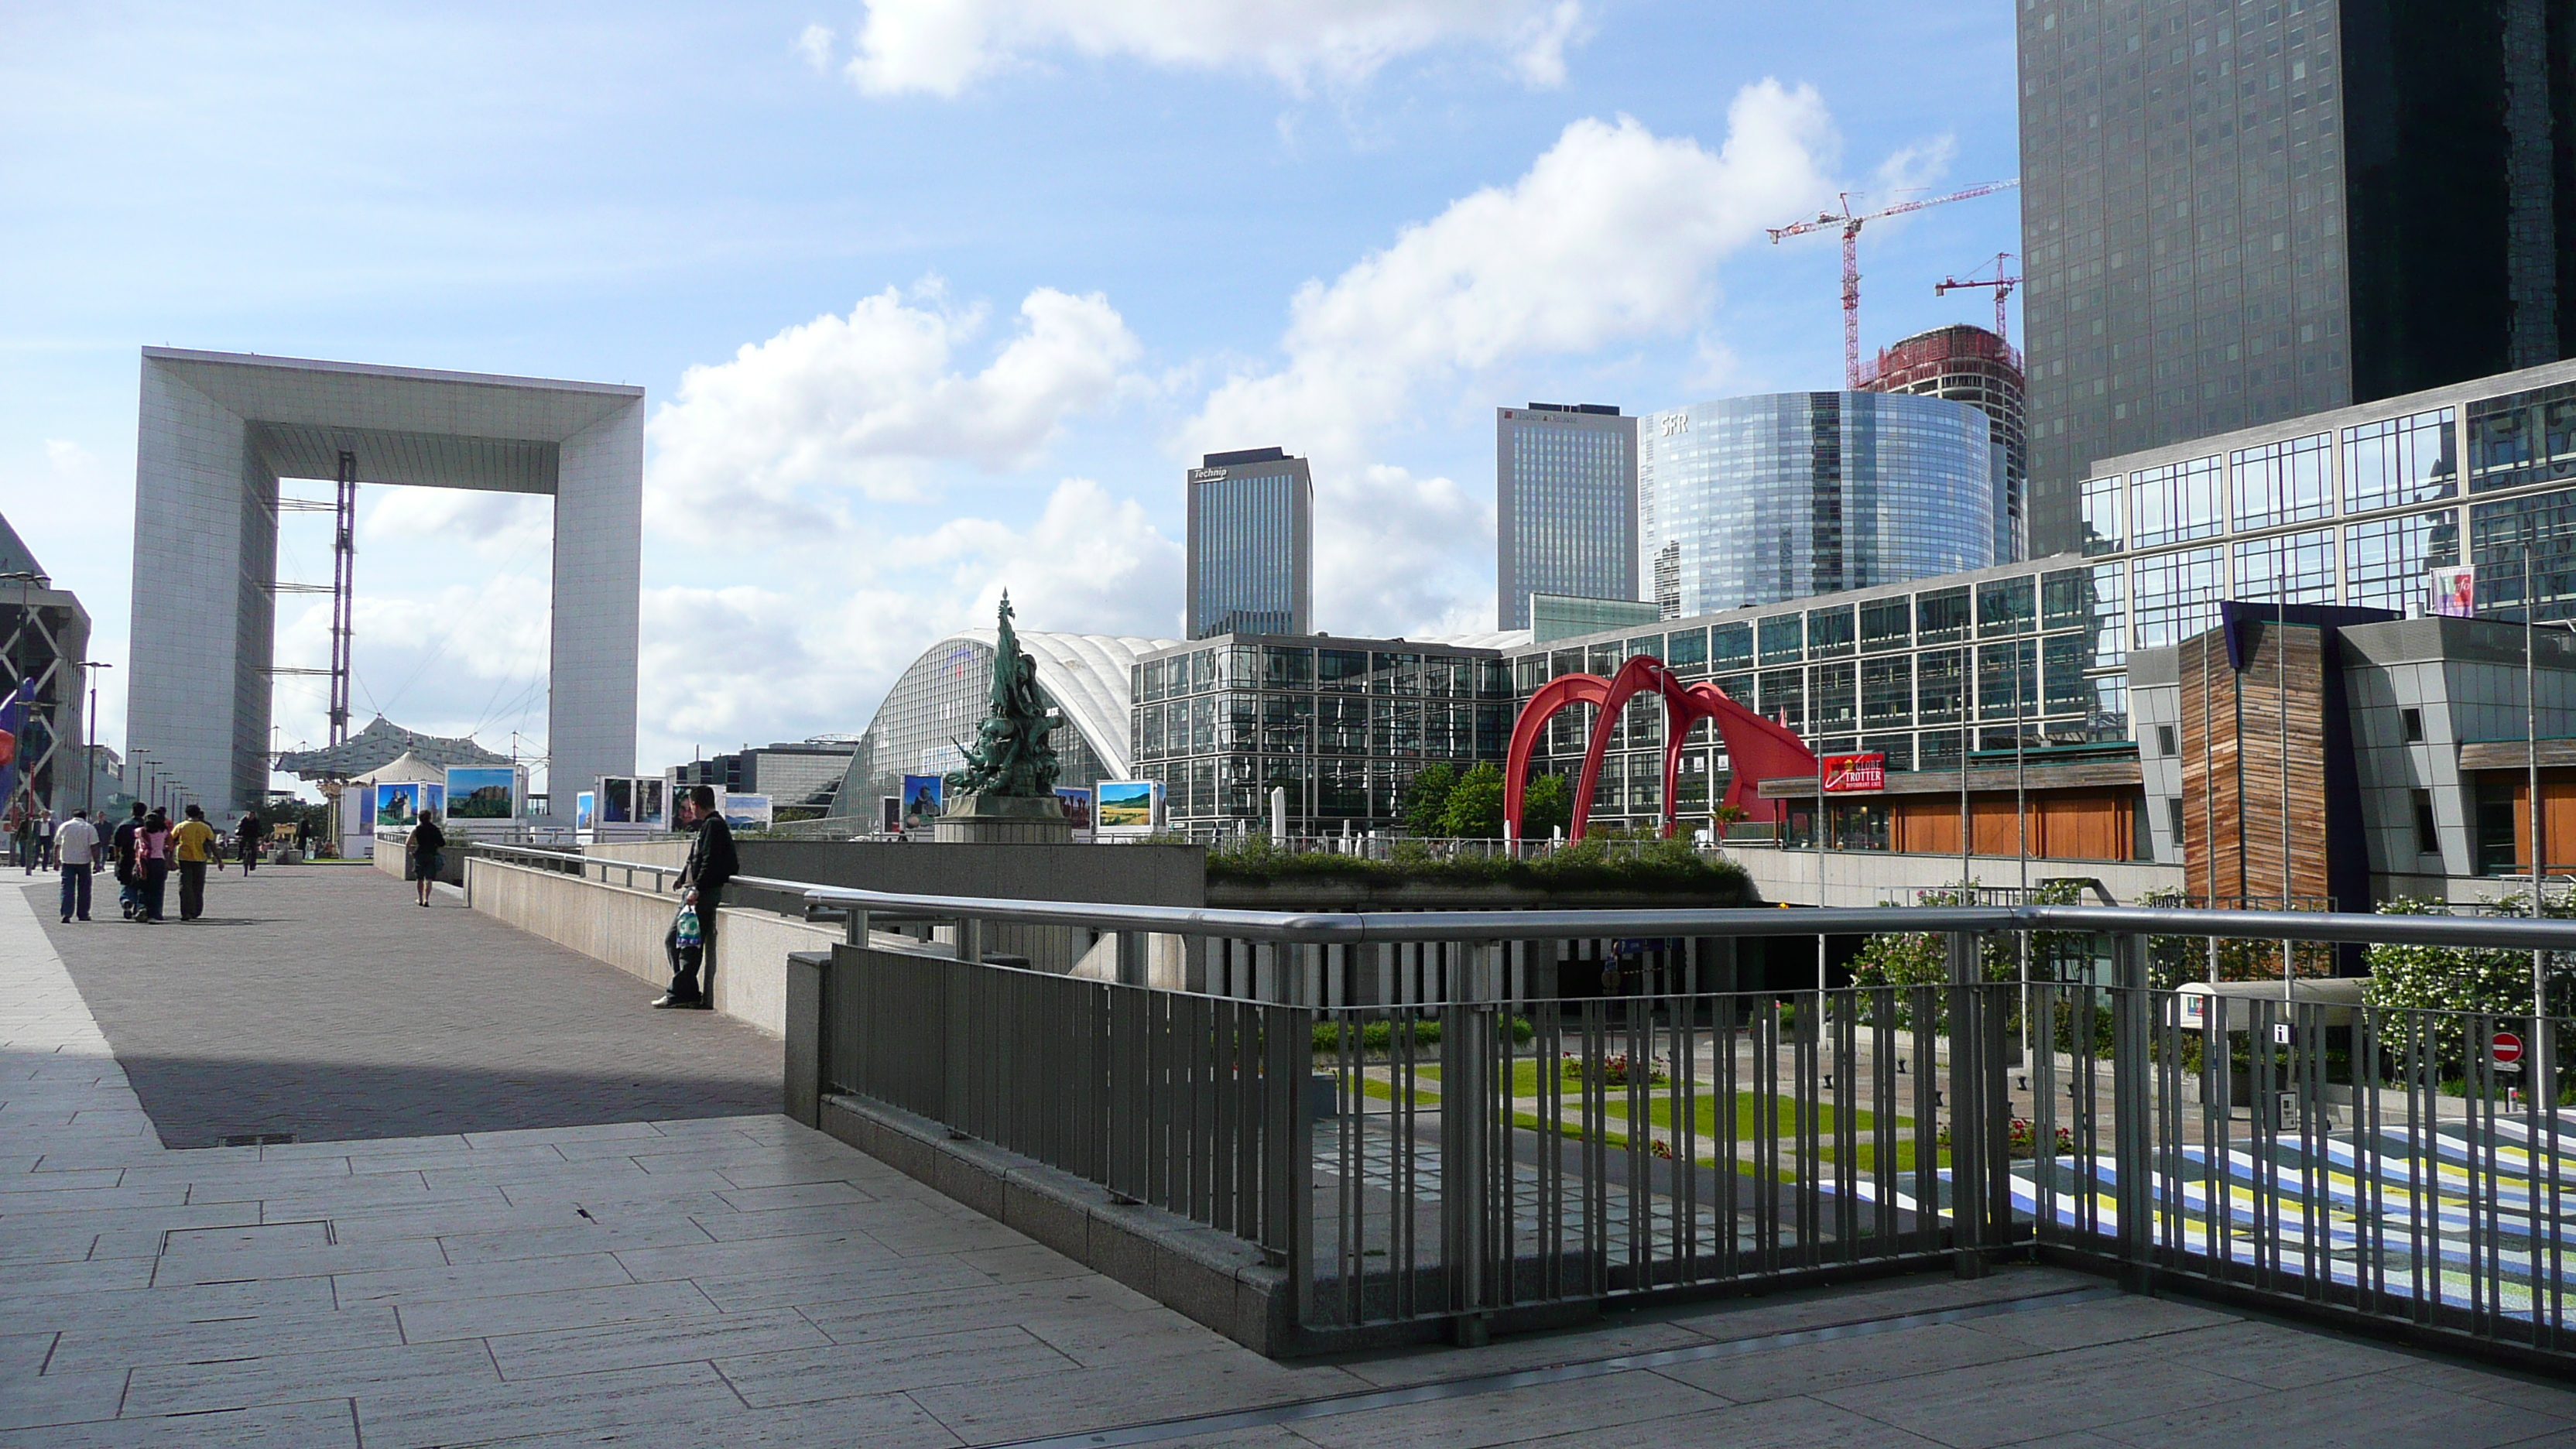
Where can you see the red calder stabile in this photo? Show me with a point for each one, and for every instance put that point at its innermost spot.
(1757, 748)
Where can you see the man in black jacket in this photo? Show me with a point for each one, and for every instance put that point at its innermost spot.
(702, 881)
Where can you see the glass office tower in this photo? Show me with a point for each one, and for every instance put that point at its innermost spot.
(2233, 215)
(1565, 506)
(1756, 500)
(1251, 544)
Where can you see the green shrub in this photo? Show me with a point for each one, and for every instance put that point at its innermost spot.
(1661, 866)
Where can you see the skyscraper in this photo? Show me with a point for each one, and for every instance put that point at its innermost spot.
(1565, 506)
(1974, 366)
(1755, 500)
(2237, 213)
(1252, 544)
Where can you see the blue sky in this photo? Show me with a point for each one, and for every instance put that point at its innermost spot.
(935, 297)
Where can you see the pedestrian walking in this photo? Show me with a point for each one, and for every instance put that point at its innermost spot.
(76, 848)
(304, 837)
(195, 847)
(427, 847)
(45, 838)
(710, 865)
(246, 833)
(22, 837)
(122, 852)
(152, 867)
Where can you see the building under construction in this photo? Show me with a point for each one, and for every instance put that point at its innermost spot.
(1970, 364)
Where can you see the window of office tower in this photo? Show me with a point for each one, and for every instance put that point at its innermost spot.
(2399, 461)
(2285, 482)
(2384, 561)
(2296, 568)
(2175, 502)
(2102, 515)
(2527, 437)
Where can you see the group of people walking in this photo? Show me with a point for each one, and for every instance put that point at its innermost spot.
(145, 850)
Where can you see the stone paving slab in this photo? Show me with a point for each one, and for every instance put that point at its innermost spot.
(318, 1000)
(743, 1281)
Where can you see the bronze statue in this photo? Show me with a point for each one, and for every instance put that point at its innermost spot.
(1011, 756)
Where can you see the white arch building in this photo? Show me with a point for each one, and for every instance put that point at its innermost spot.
(940, 699)
(219, 429)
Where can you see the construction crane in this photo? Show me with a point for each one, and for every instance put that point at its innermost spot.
(2002, 281)
(1851, 225)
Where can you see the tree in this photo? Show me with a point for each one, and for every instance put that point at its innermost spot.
(1546, 807)
(1428, 798)
(1475, 810)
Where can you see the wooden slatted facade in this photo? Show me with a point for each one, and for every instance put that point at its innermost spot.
(2236, 783)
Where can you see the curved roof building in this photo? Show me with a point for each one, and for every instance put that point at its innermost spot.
(938, 703)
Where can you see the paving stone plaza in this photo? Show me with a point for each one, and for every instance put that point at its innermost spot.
(520, 1209)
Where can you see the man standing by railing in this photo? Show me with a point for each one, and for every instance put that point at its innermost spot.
(702, 881)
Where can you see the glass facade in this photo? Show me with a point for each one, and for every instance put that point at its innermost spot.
(1251, 544)
(1342, 725)
(1566, 506)
(2033, 653)
(1785, 496)
(2353, 517)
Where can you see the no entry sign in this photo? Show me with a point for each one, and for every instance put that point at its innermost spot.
(2505, 1049)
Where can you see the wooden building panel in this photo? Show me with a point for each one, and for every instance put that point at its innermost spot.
(2069, 825)
(2239, 785)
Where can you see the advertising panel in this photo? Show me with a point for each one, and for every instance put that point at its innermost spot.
(923, 800)
(2454, 589)
(1077, 807)
(890, 815)
(1126, 807)
(746, 812)
(483, 792)
(399, 807)
(1854, 774)
(585, 809)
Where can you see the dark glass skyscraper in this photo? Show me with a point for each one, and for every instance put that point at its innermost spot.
(1565, 506)
(1252, 544)
(2233, 214)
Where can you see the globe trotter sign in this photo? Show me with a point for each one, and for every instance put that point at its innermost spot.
(1854, 774)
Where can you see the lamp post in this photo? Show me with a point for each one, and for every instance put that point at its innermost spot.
(89, 757)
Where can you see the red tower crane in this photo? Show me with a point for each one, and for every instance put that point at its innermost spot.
(2002, 281)
(1851, 225)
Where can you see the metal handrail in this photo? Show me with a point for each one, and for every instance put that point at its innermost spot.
(1360, 927)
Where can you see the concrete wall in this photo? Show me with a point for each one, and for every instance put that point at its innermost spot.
(389, 859)
(625, 928)
(1867, 877)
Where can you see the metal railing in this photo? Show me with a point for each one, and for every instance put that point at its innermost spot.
(1406, 1112)
(1421, 1115)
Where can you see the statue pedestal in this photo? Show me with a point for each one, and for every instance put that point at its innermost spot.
(1003, 820)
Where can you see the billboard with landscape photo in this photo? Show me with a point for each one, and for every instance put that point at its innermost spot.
(482, 792)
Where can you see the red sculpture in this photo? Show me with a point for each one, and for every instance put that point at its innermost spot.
(1757, 748)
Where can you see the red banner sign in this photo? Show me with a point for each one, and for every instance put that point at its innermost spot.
(1854, 774)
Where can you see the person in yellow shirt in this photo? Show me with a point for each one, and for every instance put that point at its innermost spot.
(193, 843)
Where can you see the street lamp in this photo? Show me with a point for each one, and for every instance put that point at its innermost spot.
(89, 758)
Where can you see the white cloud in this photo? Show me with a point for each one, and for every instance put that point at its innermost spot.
(815, 44)
(814, 654)
(941, 46)
(1610, 237)
(774, 439)
(426, 526)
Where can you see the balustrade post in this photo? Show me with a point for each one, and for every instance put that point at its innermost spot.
(1467, 1032)
(1969, 1088)
(2132, 1109)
